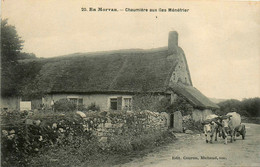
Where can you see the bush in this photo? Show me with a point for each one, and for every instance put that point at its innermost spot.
(192, 125)
(64, 105)
(72, 154)
(129, 142)
(151, 102)
(145, 101)
(93, 107)
(82, 107)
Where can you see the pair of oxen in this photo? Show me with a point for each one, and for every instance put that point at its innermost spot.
(224, 126)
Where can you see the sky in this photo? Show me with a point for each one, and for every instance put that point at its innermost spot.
(221, 40)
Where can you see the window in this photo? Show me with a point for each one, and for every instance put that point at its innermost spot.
(80, 102)
(77, 101)
(113, 103)
(116, 103)
(128, 104)
(74, 100)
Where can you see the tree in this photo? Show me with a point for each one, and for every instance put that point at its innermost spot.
(230, 105)
(252, 106)
(11, 45)
(246, 107)
(24, 55)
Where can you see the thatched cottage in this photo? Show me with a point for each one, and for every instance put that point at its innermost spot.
(111, 79)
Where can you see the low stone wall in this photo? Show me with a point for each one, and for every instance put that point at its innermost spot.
(127, 122)
(45, 130)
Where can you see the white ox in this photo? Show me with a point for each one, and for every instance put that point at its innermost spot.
(231, 122)
(211, 127)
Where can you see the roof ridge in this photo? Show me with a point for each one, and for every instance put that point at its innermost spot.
(110, 52)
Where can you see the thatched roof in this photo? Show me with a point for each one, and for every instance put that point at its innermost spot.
(194, 96)
(118, 71)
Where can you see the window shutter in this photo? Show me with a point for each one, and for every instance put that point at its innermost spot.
(119, 103)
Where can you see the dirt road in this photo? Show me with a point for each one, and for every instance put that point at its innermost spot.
(189, 149)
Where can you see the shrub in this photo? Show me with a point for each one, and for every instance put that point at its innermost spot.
(93, 107)
(128, 142)
(64, 105)
(145, 101)
(192, 125)
(149, 101)
(120, 144)
(82, 107)
(72, 154)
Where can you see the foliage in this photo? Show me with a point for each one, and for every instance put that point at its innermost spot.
(10, 48)
(64, 105)
(21, 140)
(254, 120)
(192, 125)
(163, 105)
(149, 101)
(246, 107)
(179, 104)
(24, 55)
(81, 107)
(252, 106)
(11, 44)
(29, 88)
(72, 154)
(128, 142)
(145, 101)
(93, 107)
(89, 152)
(12, 74)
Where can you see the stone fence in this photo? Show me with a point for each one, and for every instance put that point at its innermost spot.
(105, 127)
(24, 134)
(41, 130)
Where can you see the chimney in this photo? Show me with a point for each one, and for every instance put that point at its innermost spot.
(172, 42)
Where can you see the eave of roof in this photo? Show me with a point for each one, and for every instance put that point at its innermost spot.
(194, 96)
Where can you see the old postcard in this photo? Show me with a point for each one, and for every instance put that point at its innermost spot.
(130, 83)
